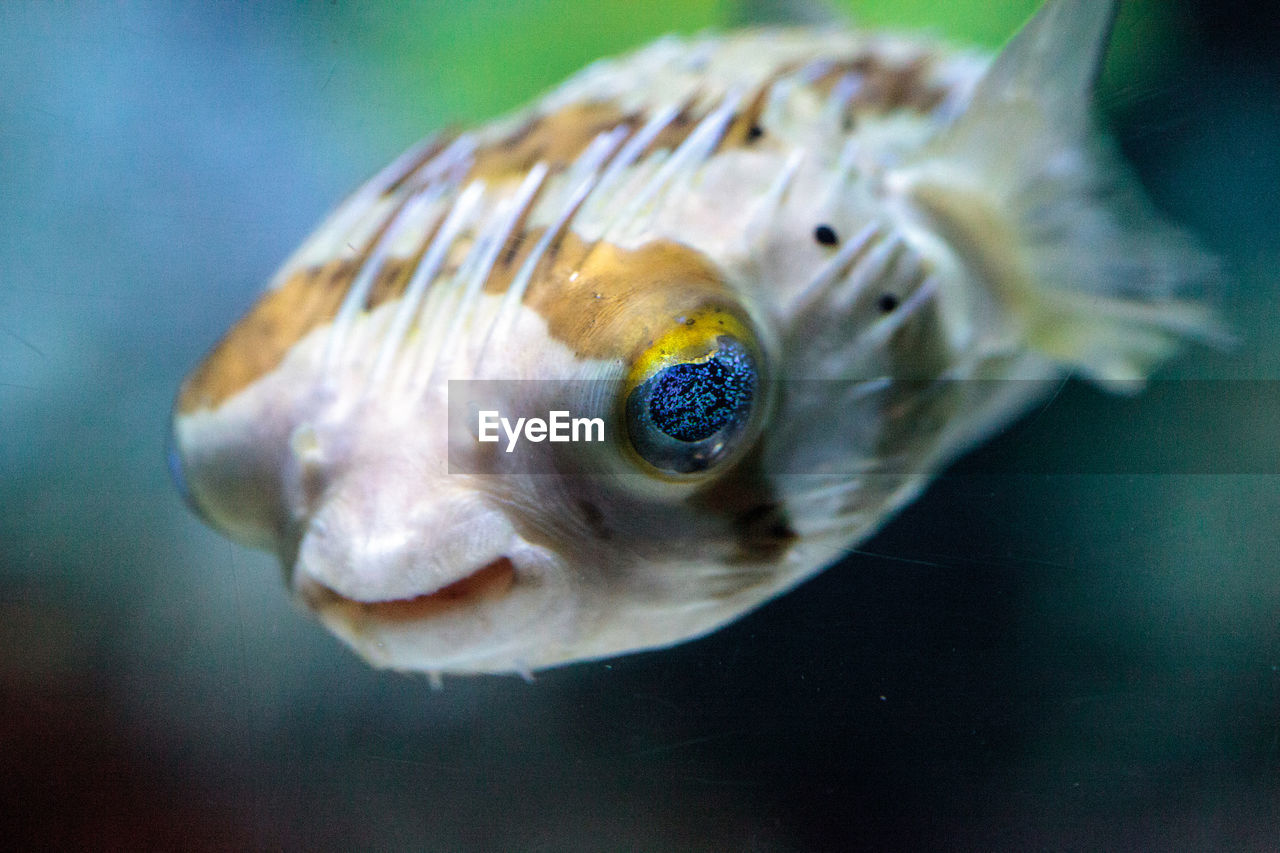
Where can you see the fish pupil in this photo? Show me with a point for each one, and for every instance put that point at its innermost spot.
(694, 401)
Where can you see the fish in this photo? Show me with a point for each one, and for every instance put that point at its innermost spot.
(781, 277)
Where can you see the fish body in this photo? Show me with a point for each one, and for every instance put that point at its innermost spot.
(791, 272)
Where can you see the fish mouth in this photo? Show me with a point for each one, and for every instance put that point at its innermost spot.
(491, 581)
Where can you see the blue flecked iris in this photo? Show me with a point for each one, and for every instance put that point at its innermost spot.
(690, 402)
(688, 416)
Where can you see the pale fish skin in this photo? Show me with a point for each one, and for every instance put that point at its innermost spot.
(976, 228)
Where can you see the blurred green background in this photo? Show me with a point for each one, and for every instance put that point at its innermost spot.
(1018, 662)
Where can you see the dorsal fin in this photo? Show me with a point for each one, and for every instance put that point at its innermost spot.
(1054, 61)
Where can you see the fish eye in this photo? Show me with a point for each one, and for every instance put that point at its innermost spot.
(691, 396)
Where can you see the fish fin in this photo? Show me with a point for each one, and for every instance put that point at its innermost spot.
(1054, 60)
(1031, 202)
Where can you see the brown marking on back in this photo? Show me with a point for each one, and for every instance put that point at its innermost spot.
(558, 138)
(555, 139)
(514, 253)
(258, 343)
(284, 315)
(391, 281)
(394, 275)
(675, 133)
(885, 87)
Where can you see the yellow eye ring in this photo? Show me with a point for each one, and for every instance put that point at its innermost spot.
(688, 401)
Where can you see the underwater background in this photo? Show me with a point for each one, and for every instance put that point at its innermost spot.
(1067, 643)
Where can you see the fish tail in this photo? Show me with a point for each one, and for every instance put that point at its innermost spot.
(1026, 198)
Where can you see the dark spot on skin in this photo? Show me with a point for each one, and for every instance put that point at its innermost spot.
(745, 500)
(887, 303)
(763, 531)
(594, 519)
(825, 235)
(745, 129)
(752, 516)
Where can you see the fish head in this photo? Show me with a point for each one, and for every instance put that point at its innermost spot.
(427, 548)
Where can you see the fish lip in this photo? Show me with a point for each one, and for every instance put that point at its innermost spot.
(493, 580)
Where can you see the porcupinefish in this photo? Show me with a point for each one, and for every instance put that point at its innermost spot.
(779, 276)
